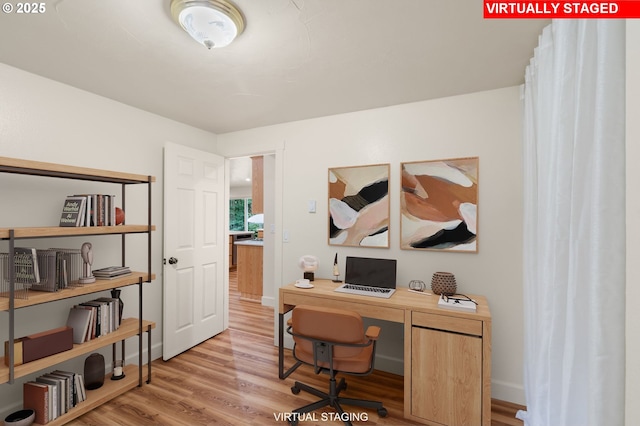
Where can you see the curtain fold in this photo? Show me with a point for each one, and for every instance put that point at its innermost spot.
(574, 225)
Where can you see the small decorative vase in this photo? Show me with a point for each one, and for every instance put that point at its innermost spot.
(443, 283)
(94, 371)
(115, 293)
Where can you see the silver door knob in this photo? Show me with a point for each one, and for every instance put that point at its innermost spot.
(173, 261)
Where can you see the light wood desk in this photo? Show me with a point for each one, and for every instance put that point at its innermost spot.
(447, 354)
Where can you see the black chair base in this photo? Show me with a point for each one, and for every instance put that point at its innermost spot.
(332, 399)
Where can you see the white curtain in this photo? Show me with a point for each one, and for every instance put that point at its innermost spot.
(574, 226)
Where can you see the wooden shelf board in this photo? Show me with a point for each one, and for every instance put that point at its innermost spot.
(109, 390)
(39, 297)
(61, 231)
(39, 168)
(128, 328)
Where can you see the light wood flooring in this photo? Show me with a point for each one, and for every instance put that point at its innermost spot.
(232, 379)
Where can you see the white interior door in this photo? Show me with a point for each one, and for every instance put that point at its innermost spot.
(194, 246)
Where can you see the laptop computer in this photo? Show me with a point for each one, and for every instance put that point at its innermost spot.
(367, 276)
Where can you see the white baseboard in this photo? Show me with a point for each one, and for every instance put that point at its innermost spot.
(510, 392)
(268, 301)
(389, 364)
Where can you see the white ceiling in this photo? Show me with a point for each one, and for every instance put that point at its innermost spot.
(240, 172)
(297, 59)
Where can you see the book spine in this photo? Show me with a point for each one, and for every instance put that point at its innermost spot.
(82, 213)
(113, 210)
(35, 396)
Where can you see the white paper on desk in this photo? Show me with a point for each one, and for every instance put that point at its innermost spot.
(456, 304)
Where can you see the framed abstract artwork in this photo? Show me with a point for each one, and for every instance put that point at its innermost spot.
(439, 205)
(359, 206)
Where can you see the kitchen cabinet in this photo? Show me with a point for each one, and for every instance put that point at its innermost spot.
(233, 249)
(250, 270)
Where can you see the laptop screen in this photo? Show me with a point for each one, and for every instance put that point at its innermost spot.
(370, 271)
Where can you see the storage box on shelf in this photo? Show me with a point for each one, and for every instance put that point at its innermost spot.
(129, 327)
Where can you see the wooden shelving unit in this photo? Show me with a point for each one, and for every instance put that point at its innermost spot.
(130, 327)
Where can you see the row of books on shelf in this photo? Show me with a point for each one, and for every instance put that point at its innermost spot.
(54, 394)
(94, 318)
(89, 210)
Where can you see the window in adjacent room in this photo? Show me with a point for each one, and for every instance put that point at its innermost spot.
(239, 213)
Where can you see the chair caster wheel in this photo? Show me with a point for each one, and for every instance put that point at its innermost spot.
(382, 412)
(295, 390)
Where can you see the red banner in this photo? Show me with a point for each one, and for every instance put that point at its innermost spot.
(622, 9)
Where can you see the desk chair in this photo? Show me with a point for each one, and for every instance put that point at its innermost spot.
(332, 341)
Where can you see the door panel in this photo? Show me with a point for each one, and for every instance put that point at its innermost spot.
(194, 236)
(184, 301)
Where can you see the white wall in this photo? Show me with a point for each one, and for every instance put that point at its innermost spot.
(633, 225)
(48, 121)
(485, 124)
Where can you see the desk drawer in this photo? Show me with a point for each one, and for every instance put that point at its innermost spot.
(447, 323)
(366, 310)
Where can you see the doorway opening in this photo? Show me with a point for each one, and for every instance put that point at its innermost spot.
(251, 229)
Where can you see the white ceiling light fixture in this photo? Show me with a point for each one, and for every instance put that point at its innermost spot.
(212, 23)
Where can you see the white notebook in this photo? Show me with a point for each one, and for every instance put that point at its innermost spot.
(456, 303)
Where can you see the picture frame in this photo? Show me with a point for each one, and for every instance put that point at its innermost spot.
(359, 206)
(439, 205)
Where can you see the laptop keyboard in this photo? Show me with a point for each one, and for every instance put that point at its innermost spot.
(364, 290)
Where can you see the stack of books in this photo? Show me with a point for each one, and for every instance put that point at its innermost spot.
(111, 272)
(94, 318)
(54, 394)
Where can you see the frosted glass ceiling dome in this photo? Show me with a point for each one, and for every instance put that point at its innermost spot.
(212, 23)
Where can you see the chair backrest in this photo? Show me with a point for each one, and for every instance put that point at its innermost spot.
(335, 326)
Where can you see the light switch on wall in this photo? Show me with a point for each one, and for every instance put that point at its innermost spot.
(312, 206)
